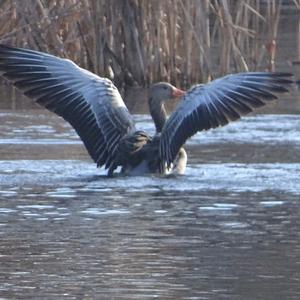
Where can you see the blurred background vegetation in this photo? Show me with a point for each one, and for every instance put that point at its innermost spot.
(137, 42)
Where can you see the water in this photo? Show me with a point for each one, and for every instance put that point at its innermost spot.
(228, 229)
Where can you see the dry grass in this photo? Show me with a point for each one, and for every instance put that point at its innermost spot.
(137, 42)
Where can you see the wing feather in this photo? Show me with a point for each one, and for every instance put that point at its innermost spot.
(91, 104)
(216, 104)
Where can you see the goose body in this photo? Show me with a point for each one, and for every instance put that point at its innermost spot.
(96, 110)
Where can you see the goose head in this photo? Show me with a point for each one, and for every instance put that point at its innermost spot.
(158, 94)
(163, 91)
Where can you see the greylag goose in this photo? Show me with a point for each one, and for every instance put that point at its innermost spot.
(96, 110)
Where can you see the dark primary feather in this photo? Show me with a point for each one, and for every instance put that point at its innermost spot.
(91, 104)
(216, 104)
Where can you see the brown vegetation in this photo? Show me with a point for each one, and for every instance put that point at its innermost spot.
(137, 42)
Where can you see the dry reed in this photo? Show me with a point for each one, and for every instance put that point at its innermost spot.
(137, 42)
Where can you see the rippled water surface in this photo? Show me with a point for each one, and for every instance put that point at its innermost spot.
(228, 229)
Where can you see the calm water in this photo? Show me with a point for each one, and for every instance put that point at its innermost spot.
(228, 229)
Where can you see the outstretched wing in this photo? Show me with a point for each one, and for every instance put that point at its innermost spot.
(91, 104)
(216, 104)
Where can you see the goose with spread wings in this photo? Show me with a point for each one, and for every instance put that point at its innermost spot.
(97, 112)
